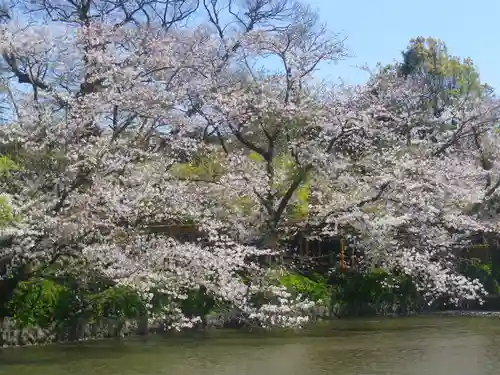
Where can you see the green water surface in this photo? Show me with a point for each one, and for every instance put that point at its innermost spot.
(397, 346)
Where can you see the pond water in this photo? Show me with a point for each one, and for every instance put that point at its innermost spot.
(397, 346)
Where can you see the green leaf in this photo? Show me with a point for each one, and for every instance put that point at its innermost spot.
(255, 157)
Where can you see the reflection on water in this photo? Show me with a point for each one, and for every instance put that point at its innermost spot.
(400, 346)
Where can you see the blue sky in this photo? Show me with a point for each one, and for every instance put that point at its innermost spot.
(378, 30)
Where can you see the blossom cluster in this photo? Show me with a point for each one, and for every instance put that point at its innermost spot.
(132, 132)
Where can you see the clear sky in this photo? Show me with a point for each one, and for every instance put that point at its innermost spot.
(378, 30)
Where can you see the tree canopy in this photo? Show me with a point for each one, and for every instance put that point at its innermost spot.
(137, 116)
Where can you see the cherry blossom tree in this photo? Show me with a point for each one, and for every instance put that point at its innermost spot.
(376, 164)
(102, 134)
(111, 131)
(425, 173)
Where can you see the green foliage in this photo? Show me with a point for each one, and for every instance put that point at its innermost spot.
(448, 77)
(356, 294)
(6, 215)
(198, 303)
(475, 269)
(37, 302)
(256, 157)
(203, 167)
(244, 204)
(116, 303)
(285, 172)
(46, 303)
(286, 166)
(7, 165)
(185, 170)
(300, 209)
(374, 293)
(315, 287)
(159, 300)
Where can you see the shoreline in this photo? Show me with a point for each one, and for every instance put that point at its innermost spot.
(471, 313)
(12, 337)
